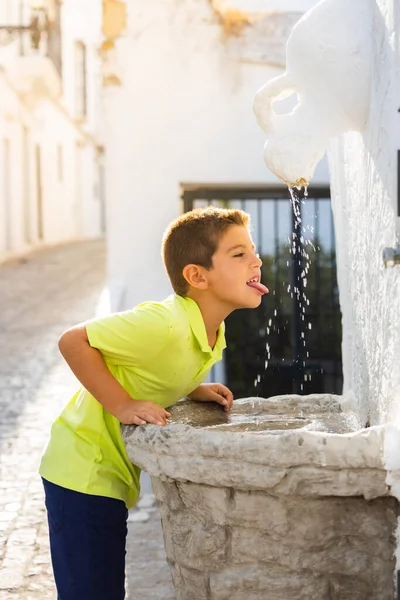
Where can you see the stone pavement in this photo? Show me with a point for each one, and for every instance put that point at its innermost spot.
(40, 296)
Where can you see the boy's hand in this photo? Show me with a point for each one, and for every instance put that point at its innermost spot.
(213, 392)
(139, 412)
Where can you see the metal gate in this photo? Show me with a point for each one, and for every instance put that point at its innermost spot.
(292, 343)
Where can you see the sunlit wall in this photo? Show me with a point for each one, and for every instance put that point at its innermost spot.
(364, 187)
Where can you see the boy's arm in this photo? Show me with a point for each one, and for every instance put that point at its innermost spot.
(89, 367)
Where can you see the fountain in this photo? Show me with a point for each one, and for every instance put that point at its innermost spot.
(282, 498)
(295, 497)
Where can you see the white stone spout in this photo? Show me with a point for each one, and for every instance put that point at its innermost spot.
(328, 66)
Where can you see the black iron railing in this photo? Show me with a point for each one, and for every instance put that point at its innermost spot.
(292, 343)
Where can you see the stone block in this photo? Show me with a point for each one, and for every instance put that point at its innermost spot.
(344, 555)
(167, 533)
(267, 582)
(314, 481)
(198, 544)
(230, 473)
(259, 510)
(208, 503)
(189, 584)
(327, 518)
(348, 588)
(166, 493)
(309, 520)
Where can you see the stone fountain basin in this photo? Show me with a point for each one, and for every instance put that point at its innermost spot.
(289, 444)
(280, 498)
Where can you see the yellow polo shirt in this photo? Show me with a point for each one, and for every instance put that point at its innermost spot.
(158, 351)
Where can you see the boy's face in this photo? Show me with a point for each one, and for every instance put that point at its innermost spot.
(235, 265)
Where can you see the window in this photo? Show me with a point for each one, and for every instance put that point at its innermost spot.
(80, 81)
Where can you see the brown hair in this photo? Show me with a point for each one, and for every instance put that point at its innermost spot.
(193, 238)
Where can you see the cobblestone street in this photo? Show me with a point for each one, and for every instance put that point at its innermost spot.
(40, 296)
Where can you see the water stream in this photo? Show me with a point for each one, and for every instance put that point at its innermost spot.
(297, 289)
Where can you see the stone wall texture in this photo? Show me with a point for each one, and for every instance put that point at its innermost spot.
(224, 544)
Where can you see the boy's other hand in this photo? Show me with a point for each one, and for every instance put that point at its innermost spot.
(139, 412)
(213, 392)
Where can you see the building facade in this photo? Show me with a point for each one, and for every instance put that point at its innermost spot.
(50, 150)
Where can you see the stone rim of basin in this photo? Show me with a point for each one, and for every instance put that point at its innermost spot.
(268, 415)
(273, 460)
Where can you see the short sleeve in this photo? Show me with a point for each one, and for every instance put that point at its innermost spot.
(132, 337)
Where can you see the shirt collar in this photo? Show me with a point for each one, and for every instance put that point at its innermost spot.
(199, 329)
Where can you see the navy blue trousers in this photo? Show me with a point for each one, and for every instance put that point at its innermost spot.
(87, 543)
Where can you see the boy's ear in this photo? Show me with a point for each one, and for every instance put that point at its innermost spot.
(195, 276)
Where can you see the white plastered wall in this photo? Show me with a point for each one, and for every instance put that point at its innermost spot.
(364, 195)
(183, 114)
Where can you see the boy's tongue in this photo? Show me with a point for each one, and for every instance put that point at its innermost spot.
(258, 286)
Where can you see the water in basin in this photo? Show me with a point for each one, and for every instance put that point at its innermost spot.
(260, 415)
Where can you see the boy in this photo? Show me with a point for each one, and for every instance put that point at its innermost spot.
(132, 366)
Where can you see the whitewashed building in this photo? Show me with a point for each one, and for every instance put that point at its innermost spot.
(180, 118)
(50, 151)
